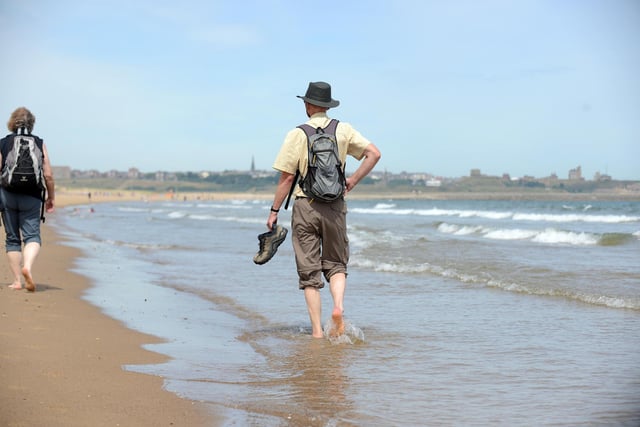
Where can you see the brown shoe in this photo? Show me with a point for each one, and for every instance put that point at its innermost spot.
(269, 243)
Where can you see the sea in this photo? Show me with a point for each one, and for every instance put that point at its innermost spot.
(458, 312)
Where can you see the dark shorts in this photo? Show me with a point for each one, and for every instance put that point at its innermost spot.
(320, 240)
(21, 218)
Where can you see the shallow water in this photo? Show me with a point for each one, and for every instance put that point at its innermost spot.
(459, 312)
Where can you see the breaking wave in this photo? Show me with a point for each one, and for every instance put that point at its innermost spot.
(547, 235)
(391, 209)
(619, 302)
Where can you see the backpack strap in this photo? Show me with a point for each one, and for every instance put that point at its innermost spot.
(42, 209)
(293, 185)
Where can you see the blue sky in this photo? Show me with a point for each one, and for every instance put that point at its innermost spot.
(507, 86)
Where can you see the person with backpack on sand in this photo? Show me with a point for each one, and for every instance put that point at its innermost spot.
(318, 219)
(27, 190)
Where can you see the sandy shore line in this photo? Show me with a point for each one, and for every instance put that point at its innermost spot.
(74, 196)
(62, 360)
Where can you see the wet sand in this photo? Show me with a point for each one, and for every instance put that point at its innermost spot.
(61, 359)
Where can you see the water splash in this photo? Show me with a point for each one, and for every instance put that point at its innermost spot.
(352, 334)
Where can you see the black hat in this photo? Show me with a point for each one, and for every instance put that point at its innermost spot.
(319, 93)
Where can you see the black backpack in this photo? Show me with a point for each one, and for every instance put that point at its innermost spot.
(22, 169)
(325, 180)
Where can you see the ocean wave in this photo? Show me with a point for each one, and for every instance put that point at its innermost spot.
(232, 205)
(546, 236)
(553, 236)
(391, 267)
(500, 215)
(602, 300)
(202, 217)
(385, 206)
(483, 280)
(176, 214)
(460, 230)
(607, 219)
(131, 209)
(142, 246)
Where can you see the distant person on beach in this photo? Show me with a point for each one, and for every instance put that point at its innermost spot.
(22, 207)
(319, 229)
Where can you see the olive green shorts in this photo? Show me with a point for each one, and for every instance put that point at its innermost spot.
(320, 240)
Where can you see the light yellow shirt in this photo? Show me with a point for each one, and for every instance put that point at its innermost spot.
(293, 153)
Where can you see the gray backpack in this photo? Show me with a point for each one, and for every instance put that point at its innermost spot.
(325, 180)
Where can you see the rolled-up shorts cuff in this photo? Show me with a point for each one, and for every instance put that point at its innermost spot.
(329, 268)
(310, 279)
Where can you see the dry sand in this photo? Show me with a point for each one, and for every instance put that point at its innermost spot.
(61, 359)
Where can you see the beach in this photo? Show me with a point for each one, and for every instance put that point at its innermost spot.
(62, 359)
(149, 311)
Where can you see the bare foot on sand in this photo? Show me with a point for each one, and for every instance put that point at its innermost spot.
(29, 284)
(338, 323)
(15, 286)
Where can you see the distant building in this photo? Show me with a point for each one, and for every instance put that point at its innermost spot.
(475, 173)
(133, 173)
(598, 177)
(575, 174)
(61, 172)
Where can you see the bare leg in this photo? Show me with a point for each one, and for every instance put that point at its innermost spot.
(314, 306)
(337, 285)
(31, 251)
(15, 259)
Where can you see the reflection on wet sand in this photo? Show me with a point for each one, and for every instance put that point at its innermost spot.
(306, 382)
(319, 383)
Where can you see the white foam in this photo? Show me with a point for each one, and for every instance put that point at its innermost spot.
(510, 234)
(130, 209)
(500, 215)
(459, 230)
(384, 206)
(607, 219)
(547, 236)
(551, 235)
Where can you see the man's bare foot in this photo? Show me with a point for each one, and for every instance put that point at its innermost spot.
(15, 286)
(28, 280)
(338, 323)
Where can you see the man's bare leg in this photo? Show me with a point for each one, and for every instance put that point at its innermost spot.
(30, 252)
(314, 306)
(337, 285)
(15, 259)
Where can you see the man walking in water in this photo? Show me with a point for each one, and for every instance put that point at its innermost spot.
(319, 229)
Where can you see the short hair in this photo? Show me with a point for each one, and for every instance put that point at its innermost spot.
(21, 118)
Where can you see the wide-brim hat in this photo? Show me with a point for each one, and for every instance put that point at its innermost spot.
(319, 93)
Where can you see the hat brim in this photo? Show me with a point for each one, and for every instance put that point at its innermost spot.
(332, 104)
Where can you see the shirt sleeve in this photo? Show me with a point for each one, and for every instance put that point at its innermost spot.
(356, 142)
(291, 152)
